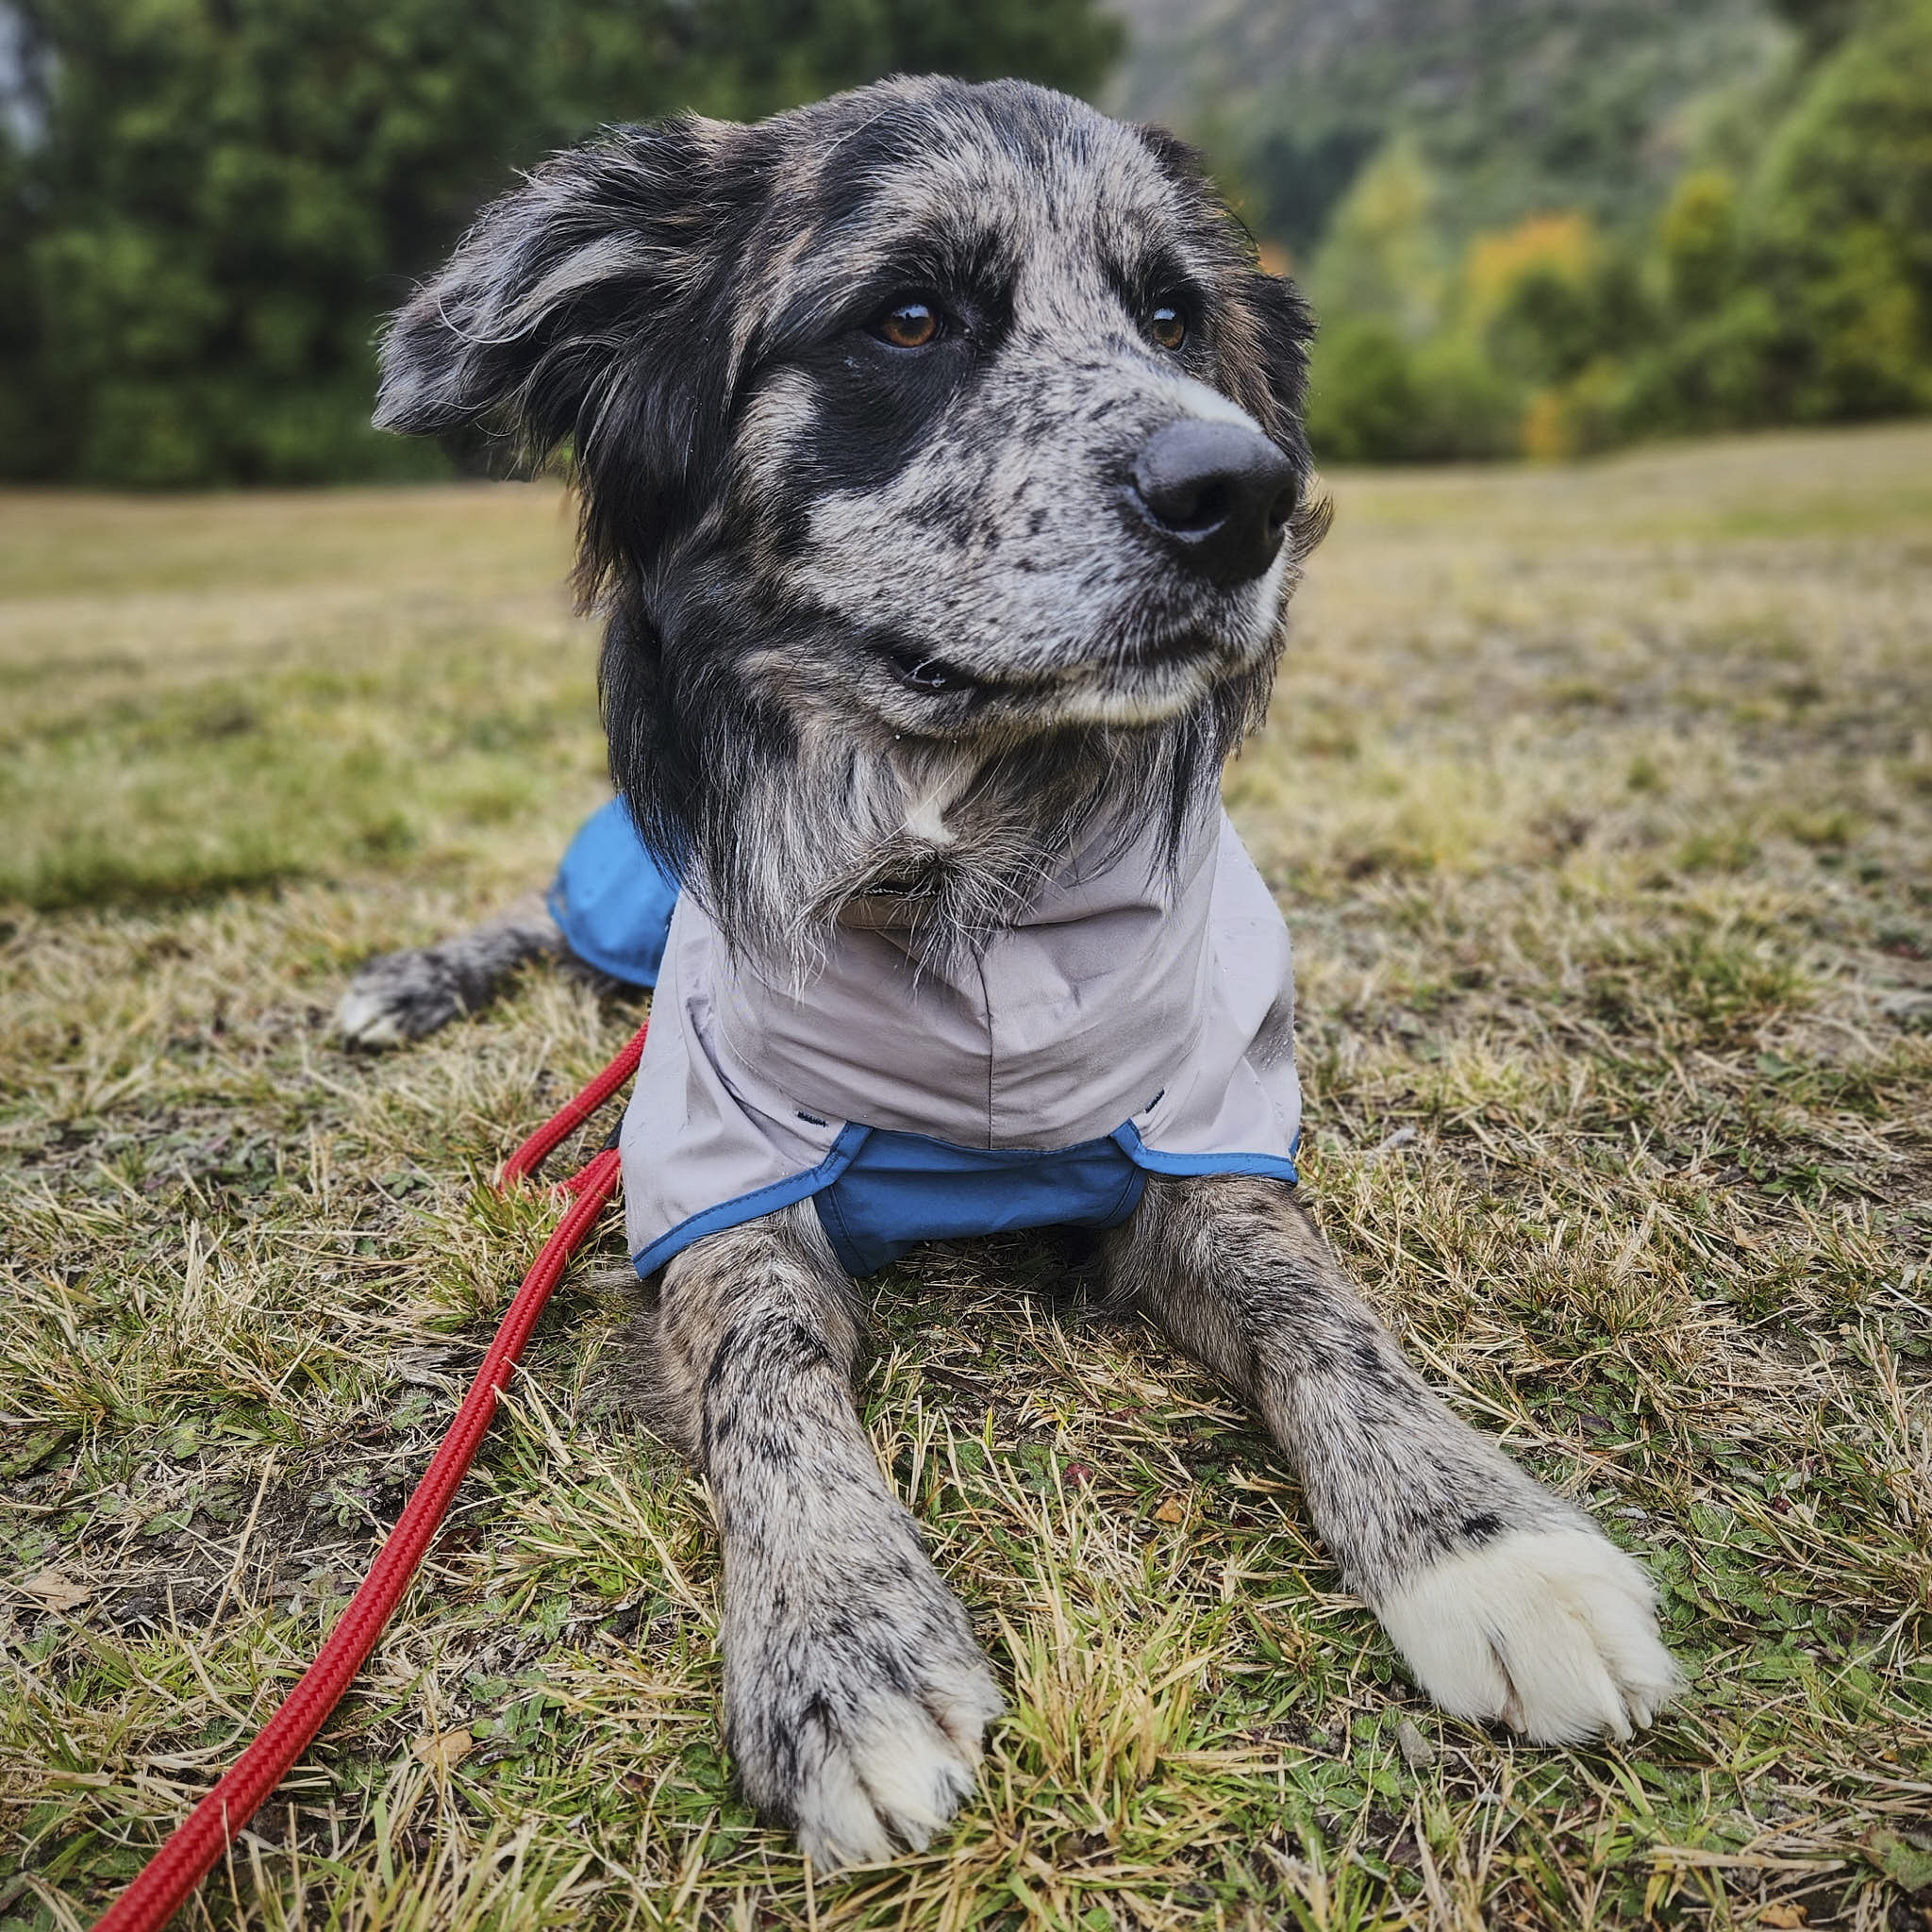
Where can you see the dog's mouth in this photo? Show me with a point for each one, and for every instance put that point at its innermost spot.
(921, 671)
(915, 669)
(912, 884)
(899, 899)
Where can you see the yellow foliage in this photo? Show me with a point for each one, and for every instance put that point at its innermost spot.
(1547, 430)
(1563, 243)
(1574, 418)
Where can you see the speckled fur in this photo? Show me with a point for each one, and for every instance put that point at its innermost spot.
(1400, 1489)
(775, 506)
(1231, 1269)
(776, 515)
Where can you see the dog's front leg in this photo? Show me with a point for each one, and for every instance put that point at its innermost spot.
(855, 1695)
(1508, 1601)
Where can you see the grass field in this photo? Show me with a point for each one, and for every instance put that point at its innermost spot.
(1600, 800)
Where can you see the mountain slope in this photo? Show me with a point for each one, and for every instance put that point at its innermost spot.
(1515, 104)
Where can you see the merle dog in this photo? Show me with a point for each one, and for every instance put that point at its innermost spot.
(944, 486)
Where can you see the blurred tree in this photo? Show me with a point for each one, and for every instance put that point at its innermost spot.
(1531, 294)
(1362, 401)
(1384, 259)
(1377, 398)
(205, 205)
(22, 424)
(630, 59)
(1794, 285)
(1300, 179)
(1516, 106)
(1807, 294)
(1823, 22)
(1843, 224)
(1697, 241)
(220, 192)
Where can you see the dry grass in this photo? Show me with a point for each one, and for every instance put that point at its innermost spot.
(1599, 800)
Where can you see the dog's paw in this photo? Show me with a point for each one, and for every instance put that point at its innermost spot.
(893, 1770)
(1553, 1632)
(399, 997)
(866, 1736)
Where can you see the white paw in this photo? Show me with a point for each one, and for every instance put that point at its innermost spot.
(1554, 1632)
(892, 1774)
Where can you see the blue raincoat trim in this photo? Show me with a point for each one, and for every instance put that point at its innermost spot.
(766, 1200)
(900, 1189)
(879, 1193)
(1154, 1161)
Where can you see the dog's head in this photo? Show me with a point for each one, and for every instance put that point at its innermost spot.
(930, 426)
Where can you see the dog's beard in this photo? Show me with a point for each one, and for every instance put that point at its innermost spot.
(777, 824)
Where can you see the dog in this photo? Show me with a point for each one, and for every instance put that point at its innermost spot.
(942, 488)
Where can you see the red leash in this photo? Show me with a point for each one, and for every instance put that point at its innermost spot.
(214, 1824)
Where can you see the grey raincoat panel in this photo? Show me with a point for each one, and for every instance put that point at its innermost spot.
(1132, 1004)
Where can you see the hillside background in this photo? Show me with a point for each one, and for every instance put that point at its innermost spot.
(1517, 105)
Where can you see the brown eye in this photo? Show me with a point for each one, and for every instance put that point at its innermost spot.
(910, 325)
(1168, 326)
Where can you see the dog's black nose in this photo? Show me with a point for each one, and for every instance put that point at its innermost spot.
(1221, 494)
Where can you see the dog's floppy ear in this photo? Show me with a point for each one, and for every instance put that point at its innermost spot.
(577, 315)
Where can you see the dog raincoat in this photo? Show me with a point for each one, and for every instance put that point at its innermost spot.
(1132, 1021)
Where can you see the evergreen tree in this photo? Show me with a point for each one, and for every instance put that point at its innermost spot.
(207, 205)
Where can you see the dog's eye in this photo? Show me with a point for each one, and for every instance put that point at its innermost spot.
(910, 325)
(1167, 326)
